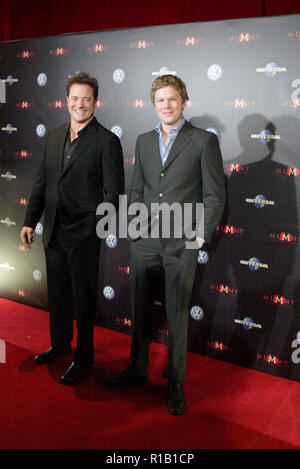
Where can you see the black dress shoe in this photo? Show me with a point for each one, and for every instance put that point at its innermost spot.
(175, 398)
(51, 354)
(126, 378)
(75, 373)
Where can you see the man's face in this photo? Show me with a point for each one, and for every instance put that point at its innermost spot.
(81, 103)
(169, 106)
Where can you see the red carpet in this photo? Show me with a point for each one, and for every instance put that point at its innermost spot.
(229, 407)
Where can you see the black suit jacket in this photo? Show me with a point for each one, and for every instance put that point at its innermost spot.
(94, 174)
(193, 173)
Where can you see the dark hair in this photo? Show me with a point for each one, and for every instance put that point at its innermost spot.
(82, 79)
(169, 80)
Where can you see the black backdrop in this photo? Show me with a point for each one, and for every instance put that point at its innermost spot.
(243, 82)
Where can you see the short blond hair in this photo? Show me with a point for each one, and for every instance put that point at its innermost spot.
(169, 80)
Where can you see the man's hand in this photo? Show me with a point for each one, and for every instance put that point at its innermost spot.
(200, 243)
(26, 236)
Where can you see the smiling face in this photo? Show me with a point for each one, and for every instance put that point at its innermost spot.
(81, 104)
(169, 106)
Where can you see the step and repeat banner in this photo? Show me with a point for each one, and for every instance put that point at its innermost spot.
(243, 80)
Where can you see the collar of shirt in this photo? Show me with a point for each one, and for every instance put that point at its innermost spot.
(85, 129)
(164, 151)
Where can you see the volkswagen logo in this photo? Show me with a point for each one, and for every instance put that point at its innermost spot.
(196, 313)
(108, 292)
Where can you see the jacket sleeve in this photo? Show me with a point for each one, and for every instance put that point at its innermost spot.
(213, 186)
(113, 171)
(36, 202)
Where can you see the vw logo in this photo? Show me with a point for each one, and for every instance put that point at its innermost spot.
(108, 292)
(203, 257)
(40, 130)
(214, 72)
(119, 75)
(42, 79)
(196, 313)
(39, 229)
(116, 129)
(111, 241)
(37, 275)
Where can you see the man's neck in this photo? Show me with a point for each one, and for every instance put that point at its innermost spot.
(75, 127)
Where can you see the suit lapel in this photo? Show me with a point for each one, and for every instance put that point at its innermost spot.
(182, 139)
(84, 140)
(156, 150)
(60, 144)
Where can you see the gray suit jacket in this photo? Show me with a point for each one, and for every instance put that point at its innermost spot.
(192, 173)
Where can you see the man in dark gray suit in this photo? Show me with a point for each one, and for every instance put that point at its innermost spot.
(82, 167)
(175, 163)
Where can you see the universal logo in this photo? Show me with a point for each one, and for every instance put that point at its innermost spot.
(260, 201)
(248, 323)
(271, 69)
(265, 136)
(254, 264)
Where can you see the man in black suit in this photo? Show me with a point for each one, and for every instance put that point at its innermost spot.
(175, 163)
(82, 167)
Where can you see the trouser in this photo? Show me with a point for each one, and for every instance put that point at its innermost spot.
(72, 273)
(179, 271)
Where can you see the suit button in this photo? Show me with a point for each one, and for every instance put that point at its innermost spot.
(160, 195)
(162, 175)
